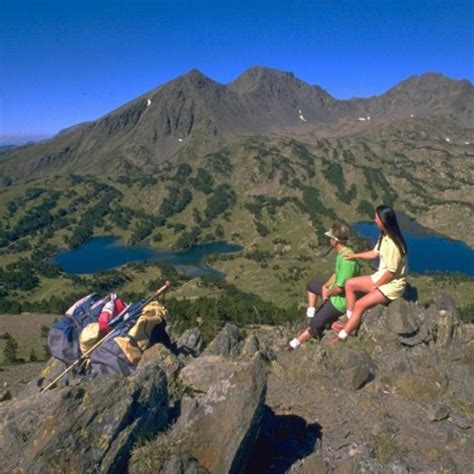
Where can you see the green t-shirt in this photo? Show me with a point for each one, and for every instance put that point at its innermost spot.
(345, 269)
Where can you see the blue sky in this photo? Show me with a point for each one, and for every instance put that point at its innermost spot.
(65, 62)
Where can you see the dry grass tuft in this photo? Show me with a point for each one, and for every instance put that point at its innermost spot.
(415, 389)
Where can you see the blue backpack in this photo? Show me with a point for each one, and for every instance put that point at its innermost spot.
(109, 358)
(63, 337)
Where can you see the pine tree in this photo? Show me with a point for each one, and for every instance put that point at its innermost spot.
(44, 330)
(47, 352)
(11, 348)
(33, 357)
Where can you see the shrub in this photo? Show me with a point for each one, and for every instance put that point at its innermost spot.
(44, 331)
(261, 229)
(11, 349)
(203, 181)
(176, 201)
(183, 171)
(32, 357)
(365, 208)
(219, 201)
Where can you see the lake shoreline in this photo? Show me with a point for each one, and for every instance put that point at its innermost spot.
(428, 251)
(103, 253)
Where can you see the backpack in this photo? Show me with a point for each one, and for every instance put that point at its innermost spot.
(109, 358)
(121, 354)
(63, 337)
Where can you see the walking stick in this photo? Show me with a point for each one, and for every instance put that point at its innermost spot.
(122, 316)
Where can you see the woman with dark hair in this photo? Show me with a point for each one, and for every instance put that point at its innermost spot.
(387, 283)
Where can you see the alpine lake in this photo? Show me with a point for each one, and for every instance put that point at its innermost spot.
(428, 252)
(105, 253)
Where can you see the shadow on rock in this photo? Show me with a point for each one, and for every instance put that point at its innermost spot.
(283, 440)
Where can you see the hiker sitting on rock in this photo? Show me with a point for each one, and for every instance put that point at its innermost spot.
(332, 291)
(387, 283)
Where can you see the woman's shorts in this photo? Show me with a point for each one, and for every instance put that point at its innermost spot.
(393, 289)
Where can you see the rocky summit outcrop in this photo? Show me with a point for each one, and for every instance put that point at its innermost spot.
(220, 427)
(219, 418)
(86, 427)
(207, 409)
(396, 398)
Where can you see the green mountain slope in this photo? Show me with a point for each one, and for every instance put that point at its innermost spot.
(196, 161)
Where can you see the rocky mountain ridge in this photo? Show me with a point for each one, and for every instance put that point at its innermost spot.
(397, 398)
(193, 112)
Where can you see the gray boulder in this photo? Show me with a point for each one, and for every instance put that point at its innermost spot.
(227, 343)
(49, 372)
(449, 329)
(251, 346)
(89, 427)
(438, 412)
(219, 426)
(313, 464)
(359, 368)
(160, 356)
(402, 317)
(376, 326)
(181, 464)
(204, 371)
(445, 302)
(428, 329)
(5, 395)
(440, 323)
(191, 342)
(411, 325)
(357, 376)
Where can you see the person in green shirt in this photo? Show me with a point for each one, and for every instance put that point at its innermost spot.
(331, 291)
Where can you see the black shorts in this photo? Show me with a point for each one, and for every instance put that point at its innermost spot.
(325, 315)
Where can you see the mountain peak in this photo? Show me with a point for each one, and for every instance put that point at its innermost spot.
(425, 82)
(195, 73)
(194, 77)
(256, 76)
(259, 71)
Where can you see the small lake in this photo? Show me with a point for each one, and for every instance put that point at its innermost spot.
(105, 253)
(427, 251)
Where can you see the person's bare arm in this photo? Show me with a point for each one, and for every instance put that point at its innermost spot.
(385, 278)
(325, 289)
(369, 255)
(335, 290)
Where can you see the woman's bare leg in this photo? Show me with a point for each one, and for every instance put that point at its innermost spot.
(367, 301)
(362, 284)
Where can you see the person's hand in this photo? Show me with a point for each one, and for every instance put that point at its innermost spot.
(325, 293)
(349, 256)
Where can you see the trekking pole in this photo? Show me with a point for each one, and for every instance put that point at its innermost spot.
(122, 315)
